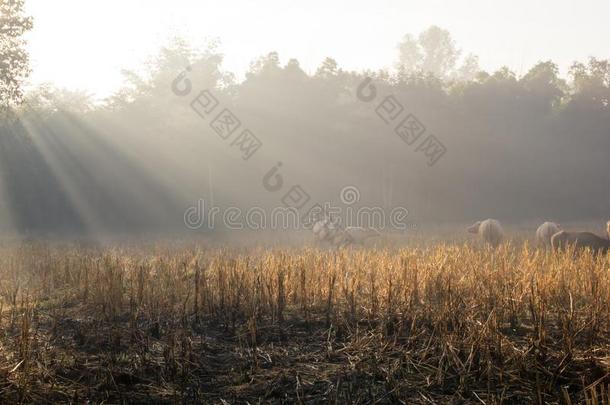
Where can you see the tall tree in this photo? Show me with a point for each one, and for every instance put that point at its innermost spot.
(591, 83)
(544, 84)
(440, 52)
(434, 51)
(14, 61)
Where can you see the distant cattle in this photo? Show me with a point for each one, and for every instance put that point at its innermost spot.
(490, 231)
(359, 235)
(581, 240)
(326, 232)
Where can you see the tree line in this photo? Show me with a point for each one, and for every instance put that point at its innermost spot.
(518, 147)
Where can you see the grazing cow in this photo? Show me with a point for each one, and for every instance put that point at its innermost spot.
(545, 232)
(327, 232)
(489, 230)
(359, 235)
(581, 240)
(322, 230)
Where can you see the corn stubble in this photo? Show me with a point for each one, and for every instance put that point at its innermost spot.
(440, 324)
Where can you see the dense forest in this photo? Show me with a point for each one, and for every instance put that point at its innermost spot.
(517, 147)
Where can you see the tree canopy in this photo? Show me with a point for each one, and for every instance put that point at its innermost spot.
(531, 146)
(14, 60)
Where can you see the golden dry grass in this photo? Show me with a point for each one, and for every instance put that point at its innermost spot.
(443, 324)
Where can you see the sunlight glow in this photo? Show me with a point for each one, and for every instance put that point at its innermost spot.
(100, 38)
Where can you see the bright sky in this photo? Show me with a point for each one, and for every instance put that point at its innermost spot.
(85, 43)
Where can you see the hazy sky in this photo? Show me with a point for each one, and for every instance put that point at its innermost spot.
(85, 44)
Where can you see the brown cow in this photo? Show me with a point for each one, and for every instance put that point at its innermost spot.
(581, 240)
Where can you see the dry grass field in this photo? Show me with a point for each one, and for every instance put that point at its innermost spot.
(440, 324)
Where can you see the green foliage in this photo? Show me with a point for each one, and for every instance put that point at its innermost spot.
(591, 83)
(518, 147)
(14, 62)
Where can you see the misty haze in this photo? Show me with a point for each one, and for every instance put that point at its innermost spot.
(390, 202)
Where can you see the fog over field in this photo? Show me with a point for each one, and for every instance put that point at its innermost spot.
(433, 132)
(277, 202)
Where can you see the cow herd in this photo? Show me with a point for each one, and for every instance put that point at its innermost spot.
(549, 235)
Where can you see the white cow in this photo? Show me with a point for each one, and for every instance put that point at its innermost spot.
(326, 231)
(489, 230)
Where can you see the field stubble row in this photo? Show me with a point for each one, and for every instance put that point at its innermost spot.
(437, 324)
